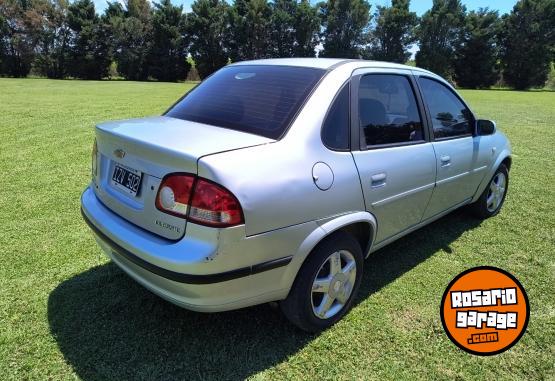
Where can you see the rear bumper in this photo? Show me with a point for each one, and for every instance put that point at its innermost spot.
(208, 270)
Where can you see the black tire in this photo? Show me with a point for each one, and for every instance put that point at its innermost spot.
(480, 207)
(298, 305)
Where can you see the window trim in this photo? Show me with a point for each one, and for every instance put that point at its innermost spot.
(429, 114)
(357, 131)
(347, 83)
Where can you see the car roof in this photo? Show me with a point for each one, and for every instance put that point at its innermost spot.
(327, 63)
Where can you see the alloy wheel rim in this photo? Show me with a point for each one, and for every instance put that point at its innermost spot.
(496, 192)
(333, 284)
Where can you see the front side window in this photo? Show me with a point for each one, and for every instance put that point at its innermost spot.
(388, 113)
(450, 117)
(258, 99)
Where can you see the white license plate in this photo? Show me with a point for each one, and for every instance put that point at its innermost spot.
(127, 179)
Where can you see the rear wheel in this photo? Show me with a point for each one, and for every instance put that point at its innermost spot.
(491, 201)
(325, 286)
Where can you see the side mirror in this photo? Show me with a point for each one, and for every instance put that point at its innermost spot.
(485, 127)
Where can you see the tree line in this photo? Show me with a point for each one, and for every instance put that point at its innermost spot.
(60, 39)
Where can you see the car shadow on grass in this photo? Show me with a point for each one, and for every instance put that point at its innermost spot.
(109, 327)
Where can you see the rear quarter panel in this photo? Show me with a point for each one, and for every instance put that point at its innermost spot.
(274, 183)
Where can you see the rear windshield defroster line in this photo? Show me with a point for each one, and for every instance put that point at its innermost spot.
(258, 99)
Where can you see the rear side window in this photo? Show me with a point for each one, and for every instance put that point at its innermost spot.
(388, 113)
(258, 99)
(450, 117)
(335, 131)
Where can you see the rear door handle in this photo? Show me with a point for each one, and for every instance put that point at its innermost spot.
(378, 180)
(445, 160)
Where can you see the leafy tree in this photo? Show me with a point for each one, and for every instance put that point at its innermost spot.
(114, 10)
(551, 78)
(131, 29)
(91, 50)
(528, 43)
(394, 32)
(258, 29)
(250, 30)
(438, 32)
(346, 24)
(139, 8)
(168, 54)
(282, 28)
(16, 46)
(208, 28)
(294, 28)
(236, 17)
(133, 46)
(476, 53)
(3, 38)
(49, 29)
(113, 18)
(307, 27)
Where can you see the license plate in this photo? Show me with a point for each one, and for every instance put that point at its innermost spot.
(127, 179)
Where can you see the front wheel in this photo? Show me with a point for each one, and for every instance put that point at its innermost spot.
(491, 201)
(325, 286)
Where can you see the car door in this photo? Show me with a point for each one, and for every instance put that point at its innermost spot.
(454, 144)
(396, 161)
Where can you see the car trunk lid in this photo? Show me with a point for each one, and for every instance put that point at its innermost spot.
(152, 148)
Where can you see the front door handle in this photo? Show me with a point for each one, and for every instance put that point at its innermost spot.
(445, 160)
(378, 180)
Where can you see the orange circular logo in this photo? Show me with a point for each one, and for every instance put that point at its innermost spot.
(485, 310)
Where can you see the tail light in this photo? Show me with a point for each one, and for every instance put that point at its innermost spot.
(214, 205)
(198, 200)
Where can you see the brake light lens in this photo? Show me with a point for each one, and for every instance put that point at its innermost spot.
(198, 200)
(213, 205)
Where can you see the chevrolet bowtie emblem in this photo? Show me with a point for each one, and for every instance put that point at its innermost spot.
(119, 153)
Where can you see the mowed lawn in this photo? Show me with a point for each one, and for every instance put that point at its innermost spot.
(67, 313)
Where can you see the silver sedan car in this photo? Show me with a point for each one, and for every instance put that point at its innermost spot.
(272, 180)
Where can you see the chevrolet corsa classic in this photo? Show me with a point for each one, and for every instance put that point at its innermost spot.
(272, 180)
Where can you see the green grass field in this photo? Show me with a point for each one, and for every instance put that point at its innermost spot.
(67, 313)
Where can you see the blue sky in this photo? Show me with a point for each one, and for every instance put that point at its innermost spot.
(418, 6)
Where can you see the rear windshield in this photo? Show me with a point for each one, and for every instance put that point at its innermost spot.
(257, 99)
